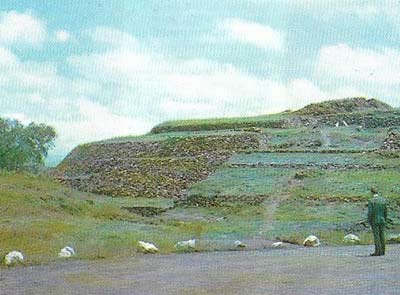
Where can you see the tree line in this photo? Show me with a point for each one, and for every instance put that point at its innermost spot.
(24, 147)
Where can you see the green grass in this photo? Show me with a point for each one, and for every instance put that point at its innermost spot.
(321, 211)
(318, 159)
(303, 182)
(39, 217)
(350, 185)
(224, 120)
(326, 202)
(349, 138)
(243, 181)
(273, 120)
(344, 138)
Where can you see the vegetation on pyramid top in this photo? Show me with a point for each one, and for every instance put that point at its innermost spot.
(264, 121)
(346, 105)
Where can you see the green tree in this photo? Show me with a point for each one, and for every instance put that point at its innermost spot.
(24, 147)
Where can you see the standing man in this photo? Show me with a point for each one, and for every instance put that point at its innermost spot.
(377, 217)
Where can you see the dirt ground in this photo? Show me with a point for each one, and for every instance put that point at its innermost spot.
(325, 270)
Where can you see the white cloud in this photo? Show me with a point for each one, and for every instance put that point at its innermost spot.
(332, 10)
(112, 36)
(21, 28)
(366, 10)
(359, 64)
(252, 33)
(165, 87)
(96, 122)
(189, 109)
(7, 58)
(36, 98)
(181, 88)
(62, 36)
(23, 118)
(305, 92)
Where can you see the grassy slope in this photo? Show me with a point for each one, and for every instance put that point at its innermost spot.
(39, 217)
(308, 196)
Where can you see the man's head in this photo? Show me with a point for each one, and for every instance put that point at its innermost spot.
(374, 190)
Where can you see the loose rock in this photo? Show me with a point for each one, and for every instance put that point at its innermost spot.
(239, 244)
(13, 257)
(66, 252)
(278, 245)
(311, 241)
(186, 245)
(350, 238)
(147, 247)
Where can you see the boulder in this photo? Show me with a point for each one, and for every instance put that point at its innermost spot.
(278, 245)
(352, 239)
(66, 252)
(13, 257)
(147, 247)
(239, 244)
(186, 245)
(311, 241)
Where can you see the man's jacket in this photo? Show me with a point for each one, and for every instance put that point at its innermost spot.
(377, 210)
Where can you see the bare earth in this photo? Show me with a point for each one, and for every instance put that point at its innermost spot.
(325, 270)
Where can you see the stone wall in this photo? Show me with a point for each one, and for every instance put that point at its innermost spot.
(149, 169)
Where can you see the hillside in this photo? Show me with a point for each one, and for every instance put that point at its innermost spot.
(177, 155)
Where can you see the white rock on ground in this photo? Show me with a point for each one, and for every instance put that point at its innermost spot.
(278, 245)
(350, 238)
(147, 247)
(186, 245)
(239, 244)
(13, 257)
(311, 241)
(66, 252)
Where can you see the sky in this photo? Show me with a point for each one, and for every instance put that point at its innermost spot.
(100, 69)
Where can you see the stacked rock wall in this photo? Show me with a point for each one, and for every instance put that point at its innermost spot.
(149, 169)
(366, 120)
(392, 142)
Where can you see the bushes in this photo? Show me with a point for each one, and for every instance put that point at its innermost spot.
(24, 147)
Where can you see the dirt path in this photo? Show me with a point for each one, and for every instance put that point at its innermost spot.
(271, 206)
(328, 270)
